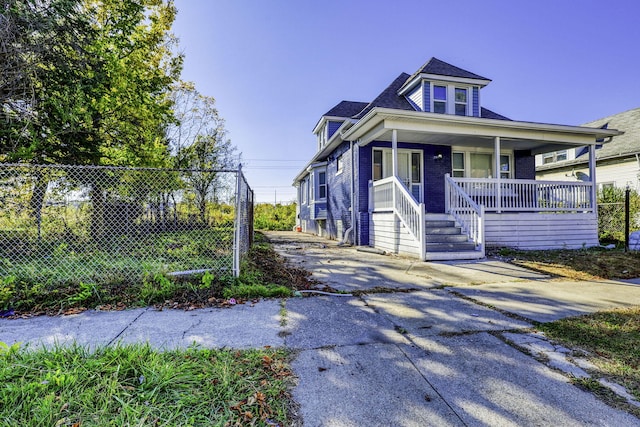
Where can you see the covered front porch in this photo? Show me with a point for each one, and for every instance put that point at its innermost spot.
(472, 207)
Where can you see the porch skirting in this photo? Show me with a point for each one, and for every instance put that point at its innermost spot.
(522, 230)
(525, 230)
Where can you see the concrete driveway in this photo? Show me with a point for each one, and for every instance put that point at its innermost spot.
(434, 356)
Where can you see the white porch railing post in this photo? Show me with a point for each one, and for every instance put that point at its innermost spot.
(422, 234)
(447, 194)
(497, 174)
(592, 176)
(372, 202)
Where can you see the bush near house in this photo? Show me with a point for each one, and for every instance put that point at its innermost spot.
(274, 217)
(611, 214)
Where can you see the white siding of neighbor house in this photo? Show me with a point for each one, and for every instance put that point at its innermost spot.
(620, 174)
(541, 230)
(389, 234)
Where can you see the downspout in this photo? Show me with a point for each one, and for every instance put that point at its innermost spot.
(353, 211)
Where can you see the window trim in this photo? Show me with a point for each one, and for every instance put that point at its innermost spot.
(467, 151)
(450, 101)
(319, 186)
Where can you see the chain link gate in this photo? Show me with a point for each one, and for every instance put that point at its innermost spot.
(90, 224)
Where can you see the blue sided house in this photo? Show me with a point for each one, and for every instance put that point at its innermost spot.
(425, 170)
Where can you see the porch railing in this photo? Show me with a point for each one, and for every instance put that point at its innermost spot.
(389, 194)
(469, 214)
(522, 195)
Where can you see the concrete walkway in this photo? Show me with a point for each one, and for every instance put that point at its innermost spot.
(431, 356)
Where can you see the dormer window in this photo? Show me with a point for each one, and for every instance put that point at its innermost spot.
(461, 102)
(440, 99)
(451, 99)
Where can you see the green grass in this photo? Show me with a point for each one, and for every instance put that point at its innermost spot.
(136, 385)
(613, 340)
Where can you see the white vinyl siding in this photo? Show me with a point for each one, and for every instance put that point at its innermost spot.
(417, 97)
(541, 230)
(387, 232)
(620, 174)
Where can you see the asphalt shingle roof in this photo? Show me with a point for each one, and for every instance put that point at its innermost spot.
(389, 98)
(441, 68)
(485, 113)
(346, 109)
(621, 145)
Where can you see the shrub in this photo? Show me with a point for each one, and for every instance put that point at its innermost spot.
(611, 213)
(274, 217)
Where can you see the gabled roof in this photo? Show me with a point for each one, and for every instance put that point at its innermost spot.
(620, 145)
(389, 98)
(441, 68)
(438, 67)
(346, 109)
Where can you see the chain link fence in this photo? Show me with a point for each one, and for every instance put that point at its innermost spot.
(83, 224)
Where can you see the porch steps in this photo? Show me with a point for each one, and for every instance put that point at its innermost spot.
(445, 240)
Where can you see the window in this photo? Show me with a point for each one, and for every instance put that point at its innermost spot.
(303, 192)
(322, 185)
(440, 99)
(461, 102)
(556, 156)
(479, 164)
(457, 160)
(340, 164)
(505, 167)
(377, 165)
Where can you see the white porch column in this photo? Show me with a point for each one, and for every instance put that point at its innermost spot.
(496, 167)
(394, 162)
(592, 177)
(394, 152)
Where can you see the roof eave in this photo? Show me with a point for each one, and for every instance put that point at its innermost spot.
(437, 77)
(377, 115)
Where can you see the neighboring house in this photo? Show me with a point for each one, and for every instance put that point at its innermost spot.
(617, 161)
(426, 170)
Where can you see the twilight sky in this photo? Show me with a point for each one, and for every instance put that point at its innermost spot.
(275, 66)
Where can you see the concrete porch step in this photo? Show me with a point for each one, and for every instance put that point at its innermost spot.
(446, 238)
(442, 230)
(439, 223)
(450, 247)
(453, 256)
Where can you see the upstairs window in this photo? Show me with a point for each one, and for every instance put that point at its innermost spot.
(556, 156)
(440, 99)
(340, 164)
(461, 102)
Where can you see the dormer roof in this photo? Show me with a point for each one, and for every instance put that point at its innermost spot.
(435, 68)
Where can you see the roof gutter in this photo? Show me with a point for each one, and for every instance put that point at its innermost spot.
(336, 139)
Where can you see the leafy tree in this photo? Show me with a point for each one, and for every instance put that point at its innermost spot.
(199, 142)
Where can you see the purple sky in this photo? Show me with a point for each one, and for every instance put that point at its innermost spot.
(274, 67)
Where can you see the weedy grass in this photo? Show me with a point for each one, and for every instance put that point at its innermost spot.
(264, 274)
(137, 385)
(612, 338)
(578, 264)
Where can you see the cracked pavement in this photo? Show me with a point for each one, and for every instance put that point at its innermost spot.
(461, 355)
